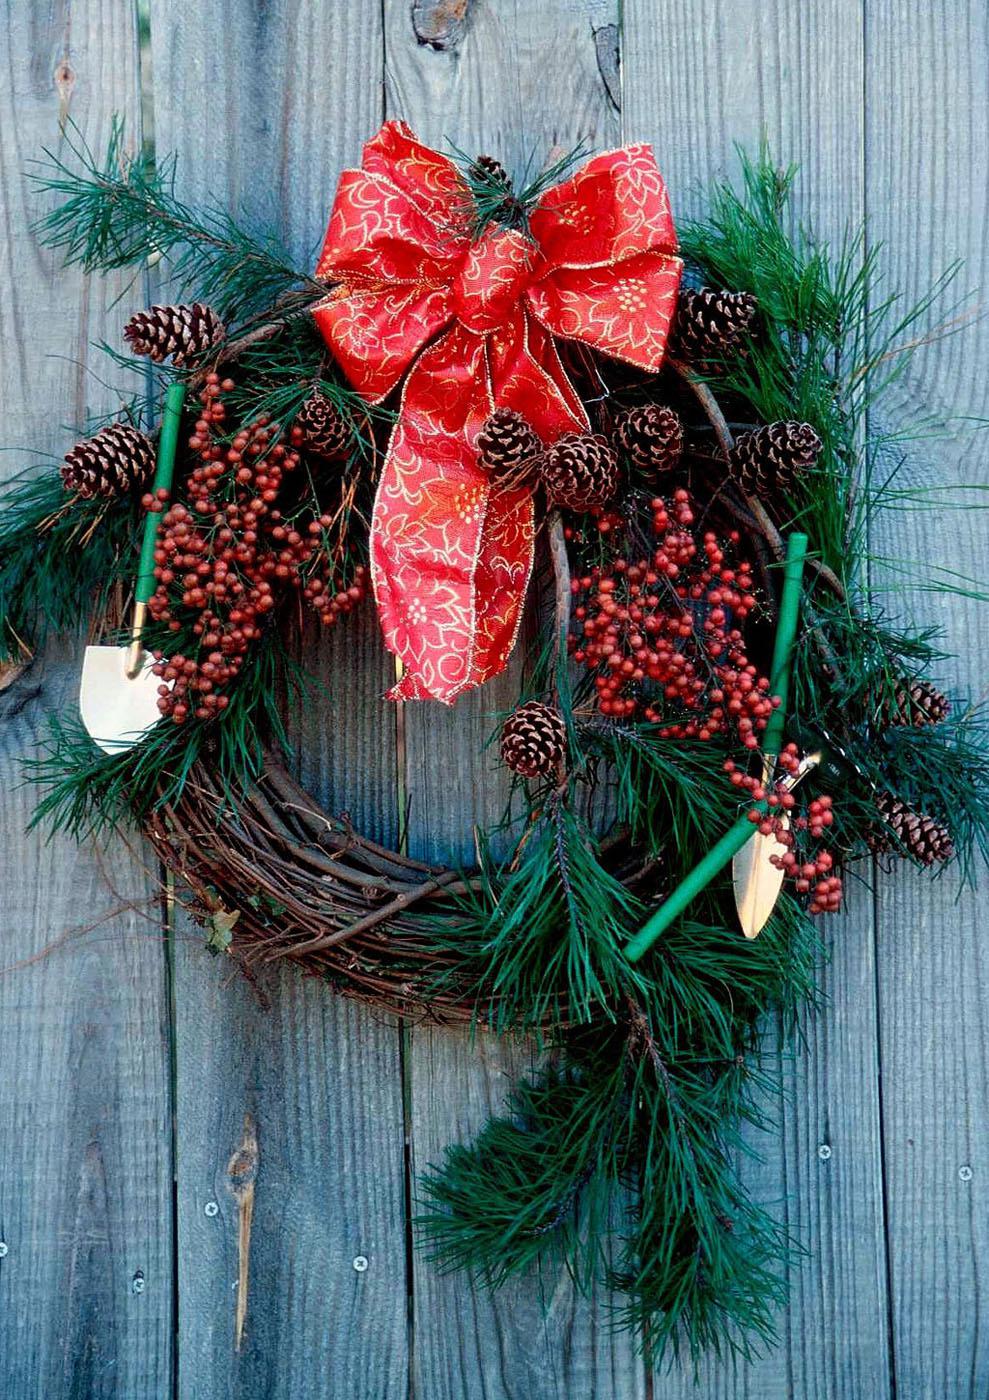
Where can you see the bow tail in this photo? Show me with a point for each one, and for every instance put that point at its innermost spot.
(451, 551)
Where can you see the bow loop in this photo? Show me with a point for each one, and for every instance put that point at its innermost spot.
(614, 207)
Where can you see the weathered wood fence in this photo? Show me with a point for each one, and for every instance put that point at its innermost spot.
(128, 1061)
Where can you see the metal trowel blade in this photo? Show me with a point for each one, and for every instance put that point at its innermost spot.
(117, 709)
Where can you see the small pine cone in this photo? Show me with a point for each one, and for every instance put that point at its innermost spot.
(507, 446)
(116, 461)
(924, 838)
(652, 436)
(325, 431)
(534, 740)
(580, 470)
(179, 331)
(771, 459)
(710, 325)
(915, 703)
(490, 170)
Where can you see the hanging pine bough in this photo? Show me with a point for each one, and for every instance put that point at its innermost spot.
(650, 454)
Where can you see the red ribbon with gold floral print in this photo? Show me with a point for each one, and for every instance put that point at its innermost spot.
(469, 325)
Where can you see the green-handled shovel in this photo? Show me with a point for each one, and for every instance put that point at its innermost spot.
(118, 694)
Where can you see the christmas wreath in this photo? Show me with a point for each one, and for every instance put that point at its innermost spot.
(490, 397)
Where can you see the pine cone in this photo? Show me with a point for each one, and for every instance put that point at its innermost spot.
(652, 436)
(491, 171)
(580, 470)
(507, 446)
(771, 459)
(915, 703)
(324, 429)
(179, 331)
(534, 740)
(924, 838)
(710, 324)
(117, 460)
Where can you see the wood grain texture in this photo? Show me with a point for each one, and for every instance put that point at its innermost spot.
(86, 1298)
(928, 174)
(264, 119)
(710, 75)
(515, 80)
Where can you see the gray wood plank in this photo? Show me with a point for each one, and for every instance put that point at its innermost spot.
(86, 1287)
(928, 96)
(265, 119)
(513, 80)
(712, 74)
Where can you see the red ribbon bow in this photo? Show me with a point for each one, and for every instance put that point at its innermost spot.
(470, 325)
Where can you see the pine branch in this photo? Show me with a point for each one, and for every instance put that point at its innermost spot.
(61, 558)
(122, 211)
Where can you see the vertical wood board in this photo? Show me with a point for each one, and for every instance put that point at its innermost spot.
(86, 1296)
(515, 81)
(263, 121)
(706, 77)
(928, 176)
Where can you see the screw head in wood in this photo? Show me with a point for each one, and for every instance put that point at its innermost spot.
(824, 1152)
(965, 1173)
(211, 1208)
(360, 1264)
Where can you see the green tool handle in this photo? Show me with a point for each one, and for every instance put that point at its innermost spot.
(735, 838)
(168, 440)
(786, 631)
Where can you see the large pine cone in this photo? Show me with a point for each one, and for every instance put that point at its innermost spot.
(534, 740)
(652, 436)
(710, 324)
(580, 470)
(507, 446)
(771, 459)
(924, 838)
(915, 703)
(322, 429)
(179, 331)
(115, 461)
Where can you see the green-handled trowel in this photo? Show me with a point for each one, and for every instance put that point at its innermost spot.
(118, 694)
(741, 833)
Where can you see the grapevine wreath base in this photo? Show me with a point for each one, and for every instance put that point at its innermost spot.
(349, 909)
(489, 399)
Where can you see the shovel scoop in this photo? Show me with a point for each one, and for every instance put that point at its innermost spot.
(118, 694)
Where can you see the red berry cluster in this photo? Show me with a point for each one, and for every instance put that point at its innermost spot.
(663, 634)
(224, 558)
(812, 875)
